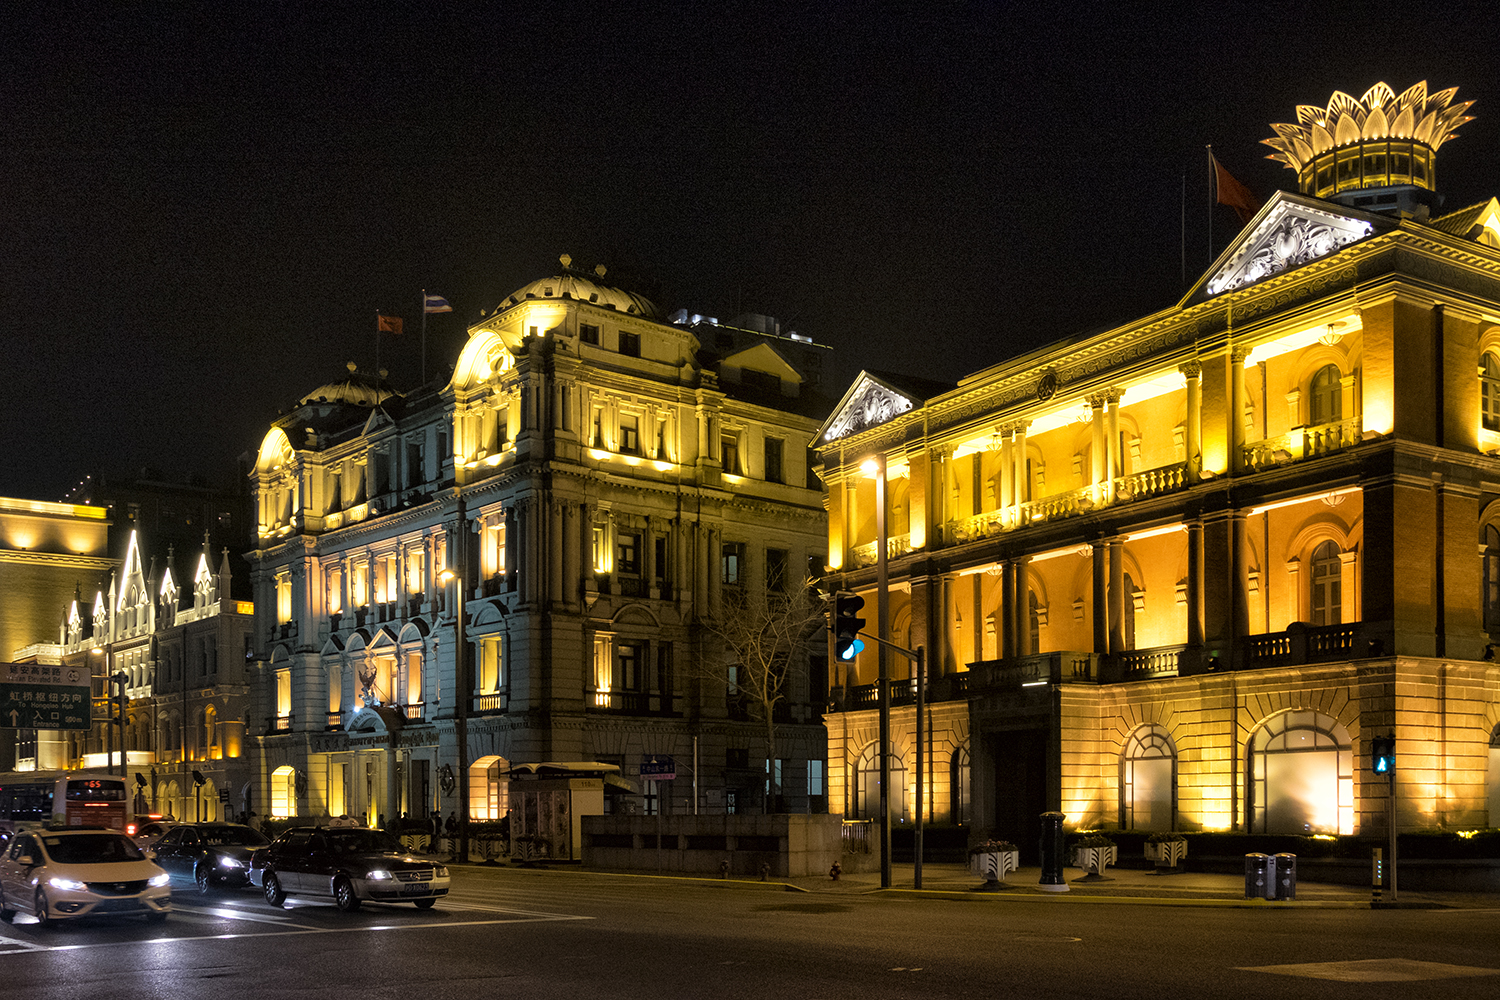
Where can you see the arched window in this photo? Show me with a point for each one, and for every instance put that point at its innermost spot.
(1301, 775)
(867, 790)
(1489, 392)
(211, 733)
(1327, 396)
(959, 804)
(1491, 578)
(1327, 584)
(1148, 780)
(1033, 622)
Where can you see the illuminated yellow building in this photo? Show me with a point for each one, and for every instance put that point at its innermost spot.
(584, 490)
(47, 551)
(177, 653)
(1176, 575)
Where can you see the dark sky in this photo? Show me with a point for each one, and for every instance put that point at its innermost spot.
(201, 211)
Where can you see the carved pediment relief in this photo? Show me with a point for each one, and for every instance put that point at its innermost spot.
(869, 404)
(1289, 236)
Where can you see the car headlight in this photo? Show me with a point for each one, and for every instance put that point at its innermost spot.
(162, 879)
(379, 873)
(71, 884)
(231, 863)
(442, 872)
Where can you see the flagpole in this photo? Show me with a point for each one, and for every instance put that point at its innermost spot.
(1210, 148)
(424, 338)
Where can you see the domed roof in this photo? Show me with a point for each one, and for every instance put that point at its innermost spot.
(357, 389)
(576, 285)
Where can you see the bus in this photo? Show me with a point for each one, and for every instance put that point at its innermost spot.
(69, 799)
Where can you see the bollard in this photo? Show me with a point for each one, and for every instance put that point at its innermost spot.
(835, 871)
(724, 868)
(1052, 853)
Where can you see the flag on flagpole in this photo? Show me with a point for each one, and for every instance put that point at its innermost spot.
(1234, 194)
(387, 324)
(435, 304)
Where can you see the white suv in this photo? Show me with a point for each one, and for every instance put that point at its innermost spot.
(64, 874)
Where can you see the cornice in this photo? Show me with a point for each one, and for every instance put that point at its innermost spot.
(61, 560)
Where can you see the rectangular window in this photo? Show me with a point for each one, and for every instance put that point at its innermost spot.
(732, 564)
(588, 333)
(283, 693)
(729, 453)
(630, 344)
(815, 778)
(630, 435)
(416, 579)
(774, 473)
(283, 598)
(335, 590)
(630, 667)
(493, 556)
(491, 672)
(777, 563)
(628, 554)
(662, 566)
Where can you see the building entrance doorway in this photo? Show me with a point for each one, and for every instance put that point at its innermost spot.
(1020, 762)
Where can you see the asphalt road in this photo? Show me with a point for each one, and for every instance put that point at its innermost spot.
(568, 934)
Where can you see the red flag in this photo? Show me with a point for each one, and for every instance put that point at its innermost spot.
(1234, 194)
(388, 324)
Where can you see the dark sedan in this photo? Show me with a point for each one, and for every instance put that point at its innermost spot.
(209, 855)
(350, 865)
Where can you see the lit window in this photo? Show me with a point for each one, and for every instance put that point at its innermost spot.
(729, 453)
(1327, 396)
(1489, 392)
(1327, 585)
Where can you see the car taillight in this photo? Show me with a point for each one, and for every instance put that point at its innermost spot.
(130, 829)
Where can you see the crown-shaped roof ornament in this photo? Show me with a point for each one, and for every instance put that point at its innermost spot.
(1382, 139)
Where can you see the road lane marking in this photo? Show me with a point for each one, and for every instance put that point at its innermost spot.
(297, 930)
(1375, 970)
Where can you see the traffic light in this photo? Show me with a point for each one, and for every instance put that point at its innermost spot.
(847, 625)
(1383, 754)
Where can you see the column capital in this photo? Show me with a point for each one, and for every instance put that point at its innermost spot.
(1239, 354)
(1192, 369)
(1112, 395)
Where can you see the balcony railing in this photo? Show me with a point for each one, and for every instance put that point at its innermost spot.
(895, 546)
(414, 711)
(631, 702)
(1302, 442)
(1141, 664)
(1302, 643)
(492, 702)
(281, 724)
(1136, 486)
(1061, 667)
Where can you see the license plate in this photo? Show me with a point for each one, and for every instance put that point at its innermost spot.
(415, 888)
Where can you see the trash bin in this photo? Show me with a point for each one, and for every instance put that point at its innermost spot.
(1284, 876)
(1258, 876)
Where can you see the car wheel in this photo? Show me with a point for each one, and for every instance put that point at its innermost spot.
(343, 894)
(424, 904)
(43, 914)
(201, 879)
(274, 895)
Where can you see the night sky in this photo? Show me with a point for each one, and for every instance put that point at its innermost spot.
(201, 212)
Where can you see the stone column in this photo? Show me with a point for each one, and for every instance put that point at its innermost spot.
(1112, 457)
(1237, 409)
(1022, 487)
(1117, 595)
(1100, 597)
(1007, 603)
(1006, 495)
(1195, 582)
(1193, 432)
(1021, 620)
(1096, 452)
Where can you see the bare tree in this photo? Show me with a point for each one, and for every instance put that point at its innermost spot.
(765, 637)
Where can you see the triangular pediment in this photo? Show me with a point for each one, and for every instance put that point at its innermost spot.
(870, 402)
(1290, 231)
(763, 358)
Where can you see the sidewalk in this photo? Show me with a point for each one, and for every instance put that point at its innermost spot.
(1128, 885)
